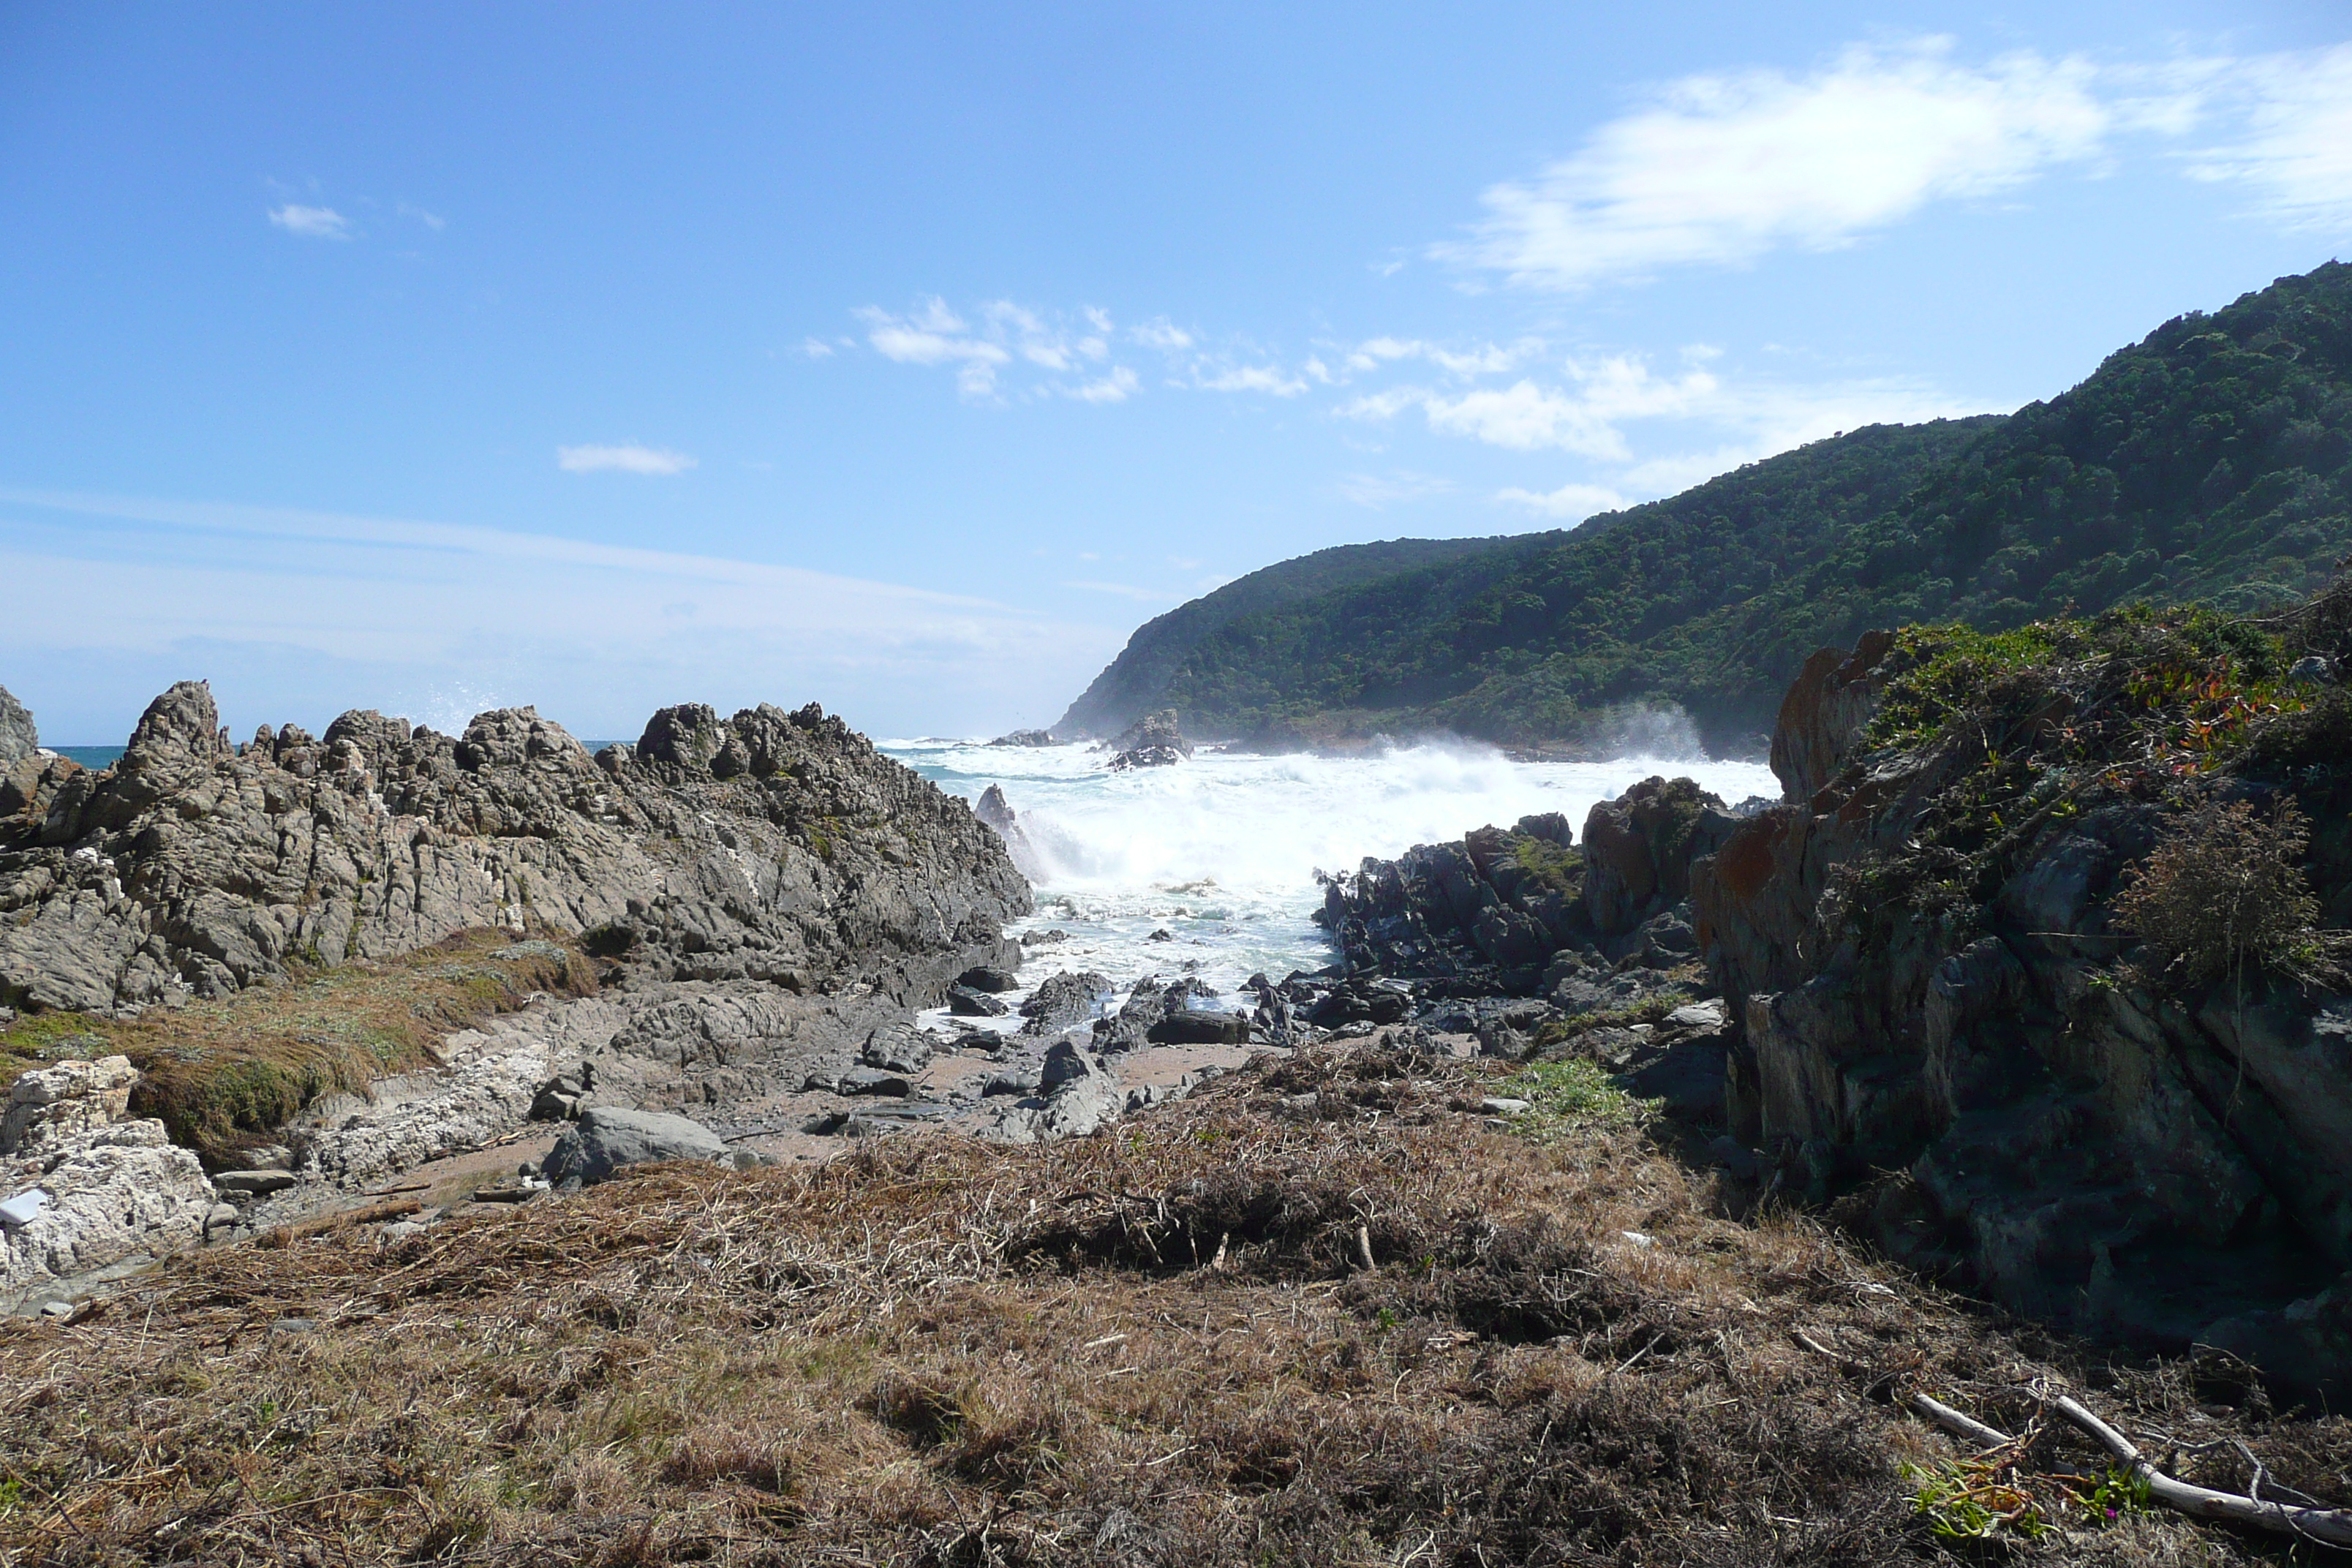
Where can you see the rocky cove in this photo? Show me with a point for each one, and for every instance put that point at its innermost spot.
(341, 960)
(1722, 1121)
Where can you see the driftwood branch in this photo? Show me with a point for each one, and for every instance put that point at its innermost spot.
(2331, 1526)
(1952, 1421)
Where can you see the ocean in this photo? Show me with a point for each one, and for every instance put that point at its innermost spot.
(1220, 852)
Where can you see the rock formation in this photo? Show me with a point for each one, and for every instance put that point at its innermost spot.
(772, 846)
(1925, 973)
(87, 1186)
(997, 813)
(18, 740)
(1154, 740)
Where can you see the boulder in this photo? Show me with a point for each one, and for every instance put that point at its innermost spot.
(989, 977)
(1187, 1028)
(604, 1141)
(1065, 1062)
(1064, 999)
(898, 1048)
(52, 1106)
(966, 1003)
(102, 1188)
(1030, 738)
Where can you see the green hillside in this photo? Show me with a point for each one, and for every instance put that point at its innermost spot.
(2209, 462)
(1131, 685)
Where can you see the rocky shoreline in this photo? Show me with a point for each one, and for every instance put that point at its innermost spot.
(762, 902)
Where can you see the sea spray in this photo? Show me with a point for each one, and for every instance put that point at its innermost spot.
(1208, 866)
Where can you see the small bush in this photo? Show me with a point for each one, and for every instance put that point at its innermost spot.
(2227, 889)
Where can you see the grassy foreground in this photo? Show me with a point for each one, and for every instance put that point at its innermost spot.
(225, 1074)
(1324, 1312)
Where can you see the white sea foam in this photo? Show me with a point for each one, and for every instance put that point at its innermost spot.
(1221, 852)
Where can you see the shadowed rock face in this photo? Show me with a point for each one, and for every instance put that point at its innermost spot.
(770, 845)
(2166, 1166)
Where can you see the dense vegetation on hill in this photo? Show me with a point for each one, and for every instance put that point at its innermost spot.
(1130, 686)
(2211, 462)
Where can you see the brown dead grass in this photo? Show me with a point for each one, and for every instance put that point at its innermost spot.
(224, 1074)
(1157, 1345)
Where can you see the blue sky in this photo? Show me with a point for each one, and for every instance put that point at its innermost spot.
(432, 357)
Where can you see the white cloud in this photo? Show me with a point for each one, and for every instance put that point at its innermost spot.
(814, 348)
(1158, 333)
(1723, 167)
(311, 222)
(1117, 387)
(2295, 149)
(624, 459)
(1250, 378)
(1380, 491)
(1570, 503)
(433, 221)
(1008, 334)
(1485, 358)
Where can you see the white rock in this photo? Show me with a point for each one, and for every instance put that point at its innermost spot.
(23, 1208)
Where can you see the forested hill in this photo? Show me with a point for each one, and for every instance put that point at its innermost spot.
(2211, 462)
(1130, 686)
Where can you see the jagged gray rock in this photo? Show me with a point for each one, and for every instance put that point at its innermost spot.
(772, 846)
(18, 740)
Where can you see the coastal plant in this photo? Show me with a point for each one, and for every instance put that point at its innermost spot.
(2225, 890)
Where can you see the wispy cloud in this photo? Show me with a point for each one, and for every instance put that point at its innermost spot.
(1723, 167)
(1117, 387)
(1720, 169)
(311, 222)
(431, 220)
(1381, 491)
(814, 348)
(1569, 503)
(1272, 379)
(1008, 334)
(606, 631)
(1159, 334)
(628, 458)
(2294, 147)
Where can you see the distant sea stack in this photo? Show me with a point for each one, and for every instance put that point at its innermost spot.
(772, 846)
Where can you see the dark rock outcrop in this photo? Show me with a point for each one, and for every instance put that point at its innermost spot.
(997, 813)
(1154, 740)
(1029, 738)
(1922, 979)
(772, 846)
(1822, 716)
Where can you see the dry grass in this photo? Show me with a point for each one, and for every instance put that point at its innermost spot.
(224, 1074)
(1159, 1345)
